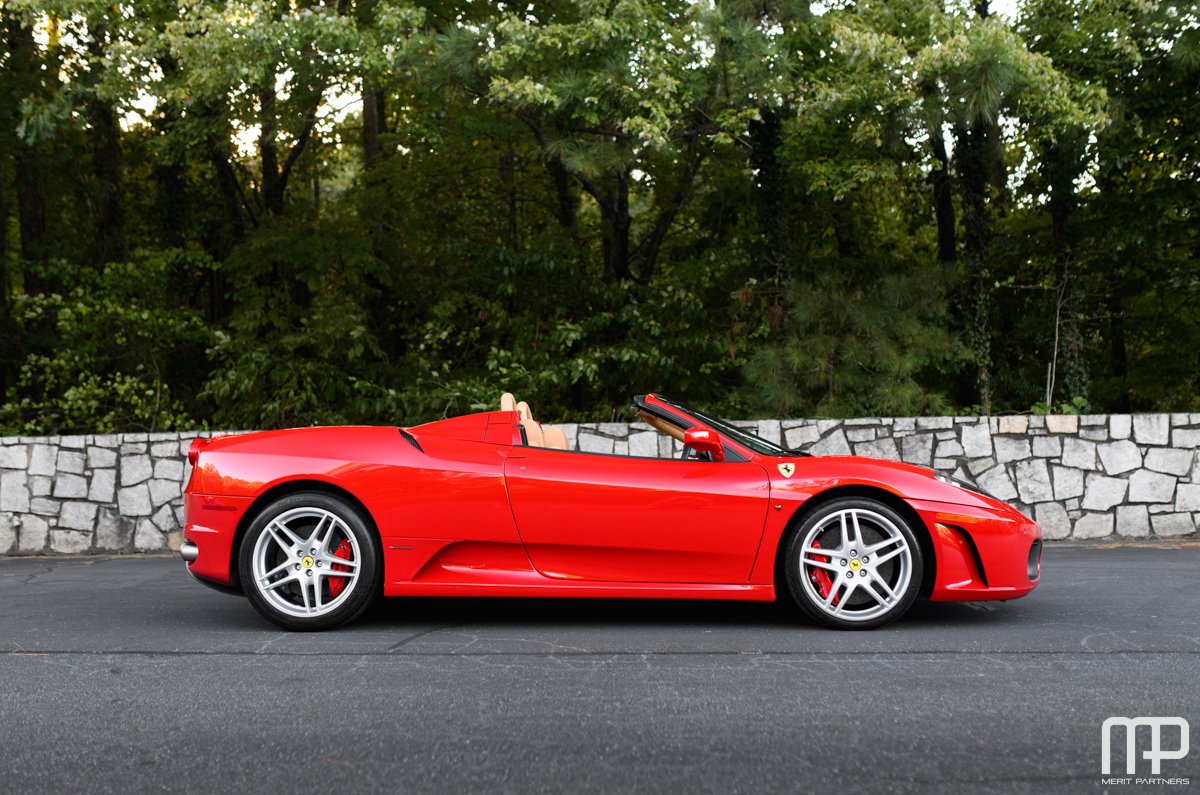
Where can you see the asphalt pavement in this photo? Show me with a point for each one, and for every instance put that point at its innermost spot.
(123, 675)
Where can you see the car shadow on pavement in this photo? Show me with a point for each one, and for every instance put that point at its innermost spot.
(638, 612)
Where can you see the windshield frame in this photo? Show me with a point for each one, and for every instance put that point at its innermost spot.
(748, 440)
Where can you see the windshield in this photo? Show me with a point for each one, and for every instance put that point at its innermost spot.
(755, 443)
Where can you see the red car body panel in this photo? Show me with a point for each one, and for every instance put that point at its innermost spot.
(620, 519)
(463, 507)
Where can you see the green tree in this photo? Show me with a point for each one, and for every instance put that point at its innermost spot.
(252, 214)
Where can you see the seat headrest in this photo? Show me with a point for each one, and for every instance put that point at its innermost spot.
(555, 438)
(523, 411)
(533, 434)
(508, 402)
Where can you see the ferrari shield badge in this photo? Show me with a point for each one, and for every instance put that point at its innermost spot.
(787, 469)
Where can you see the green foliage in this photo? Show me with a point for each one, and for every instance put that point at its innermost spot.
(1077, 405)
(117, 350)
(298, 348)
(385, 211)
(861, 340)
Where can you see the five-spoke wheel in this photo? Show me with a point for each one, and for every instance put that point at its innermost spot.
(854, 563)
(308, 561)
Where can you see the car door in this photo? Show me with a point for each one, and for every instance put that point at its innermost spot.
(587, 516)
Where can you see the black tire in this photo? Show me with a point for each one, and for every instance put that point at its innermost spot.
(862, 590)
(294, 586)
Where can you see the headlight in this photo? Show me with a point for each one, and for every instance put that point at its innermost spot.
(962, 484)
(942, 476)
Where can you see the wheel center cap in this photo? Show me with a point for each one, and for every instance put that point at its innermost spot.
(306, 561)
(855, 564)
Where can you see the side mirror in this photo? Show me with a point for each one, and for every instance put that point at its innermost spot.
(704, 440)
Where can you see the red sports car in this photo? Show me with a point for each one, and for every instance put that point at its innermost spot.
(313, 523)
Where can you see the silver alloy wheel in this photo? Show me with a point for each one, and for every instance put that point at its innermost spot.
(293, 562)
(867, 573)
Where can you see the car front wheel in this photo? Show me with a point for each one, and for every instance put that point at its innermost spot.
(854, 563)
(309, 562)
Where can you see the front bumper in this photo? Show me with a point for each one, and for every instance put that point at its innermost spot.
(982, 554)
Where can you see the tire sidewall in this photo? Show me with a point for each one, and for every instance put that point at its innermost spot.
(791, 561)
(365, 587)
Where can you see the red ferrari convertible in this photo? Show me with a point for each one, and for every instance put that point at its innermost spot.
(312, 524)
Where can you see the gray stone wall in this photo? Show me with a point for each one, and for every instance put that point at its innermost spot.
(79, 494)
(1078, 476)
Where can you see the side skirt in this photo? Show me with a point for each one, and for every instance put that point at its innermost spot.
(440, 567)
(578, 589)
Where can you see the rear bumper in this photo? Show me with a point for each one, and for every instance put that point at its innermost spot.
(228, 590)
(209, 531)
(982, 554)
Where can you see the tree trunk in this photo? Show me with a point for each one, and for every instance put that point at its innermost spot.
(845, 229)
(7, 118)
(31, 205)
(275, 175)
(613, 201)
(771, 196)
(614, 213)
(109, 222)
(27, 161)
(566, 208)
(978, 148)
(1120, 358)
(237, 208)
(4, 290)
(108, 228)
(372, 125)
(171, 192)
(170, 183)
(8, 333)
(647, 250)
(943, 199)
(1061, 165)
(11, 354)
(997, 174)
(507, 167)
(316, 190)
(272, 187)
(974, 171)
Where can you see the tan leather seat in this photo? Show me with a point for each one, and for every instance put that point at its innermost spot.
(533, 434)
(555, 438)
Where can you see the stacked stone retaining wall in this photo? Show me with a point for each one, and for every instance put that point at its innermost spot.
(1091, 476)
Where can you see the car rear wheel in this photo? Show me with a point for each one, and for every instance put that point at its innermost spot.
(854, 563)
(309, 562)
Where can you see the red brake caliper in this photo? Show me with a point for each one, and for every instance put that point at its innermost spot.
(820, 576)
(337, 584)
